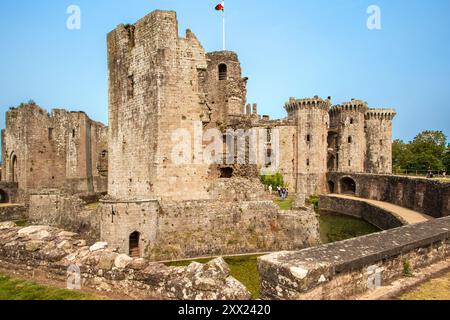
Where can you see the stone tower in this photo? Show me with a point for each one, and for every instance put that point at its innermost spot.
(226, 90)
(347, 136)
(379, 140)
(312, 119)
(155, 80)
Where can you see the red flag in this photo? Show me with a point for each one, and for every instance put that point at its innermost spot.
(220, 7)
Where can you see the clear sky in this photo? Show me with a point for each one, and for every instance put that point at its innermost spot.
(288, 48)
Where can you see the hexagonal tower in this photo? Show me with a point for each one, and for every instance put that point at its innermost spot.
(347, 137)
(379, 140)
(311, 117)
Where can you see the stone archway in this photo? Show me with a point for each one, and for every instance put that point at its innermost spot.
(348, 186)
(135, 250)
(331, 187)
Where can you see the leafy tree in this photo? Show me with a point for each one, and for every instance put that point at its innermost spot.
(446, 159)
(401, 155)
(428, 150)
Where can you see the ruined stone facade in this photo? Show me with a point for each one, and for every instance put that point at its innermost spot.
(62, 150)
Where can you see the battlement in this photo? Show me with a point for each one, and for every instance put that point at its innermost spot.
(306, 103)
(380, 114)
(350, 106)
(223, 55)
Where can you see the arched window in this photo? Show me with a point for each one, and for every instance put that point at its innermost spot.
(223, 71)
(135, 251)
(350, 139)
(13, 168)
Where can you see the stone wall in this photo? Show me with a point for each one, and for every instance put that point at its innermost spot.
(52, 251)
(426, 196)
(342, 270)
(13, 212)
(177, 230)
(60, 149)
(378, 217)
(69, 212)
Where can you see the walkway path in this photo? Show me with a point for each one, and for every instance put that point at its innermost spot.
(407, 215)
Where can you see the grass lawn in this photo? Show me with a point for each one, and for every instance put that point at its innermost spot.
(13, 289)
(435, 289)
(286, 204)
(243, 268)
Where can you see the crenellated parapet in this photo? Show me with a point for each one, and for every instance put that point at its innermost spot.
(380, 114)
(307, 103)
(351, 106)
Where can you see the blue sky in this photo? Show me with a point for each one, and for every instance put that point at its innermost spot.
(287, 48)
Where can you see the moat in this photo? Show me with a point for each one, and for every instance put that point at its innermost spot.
(334, 227)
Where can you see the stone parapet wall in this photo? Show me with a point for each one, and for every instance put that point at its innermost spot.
(426, 196)
(53, 251)
(342, 270)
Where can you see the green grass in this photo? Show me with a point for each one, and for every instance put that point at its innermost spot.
(435, 289)
(22, 223)
(335, 228)
(243, 268)
(13, 289)
(286, 204)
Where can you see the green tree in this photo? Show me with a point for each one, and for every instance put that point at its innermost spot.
(401, 155)
(446, 159)
(428, 150)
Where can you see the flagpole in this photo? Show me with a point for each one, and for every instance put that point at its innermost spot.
(223, 25)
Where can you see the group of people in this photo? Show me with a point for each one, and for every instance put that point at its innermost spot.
(283, 192)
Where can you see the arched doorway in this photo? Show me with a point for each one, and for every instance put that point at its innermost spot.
(330, 186)
(348, 186)
(4, 198)
(135, 250)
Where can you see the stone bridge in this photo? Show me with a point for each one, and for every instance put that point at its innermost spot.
(396, 200)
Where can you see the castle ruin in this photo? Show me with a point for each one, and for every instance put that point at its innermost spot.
(160, 83)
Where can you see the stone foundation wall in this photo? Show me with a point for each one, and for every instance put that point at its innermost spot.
(426, 196)
(52, 251)
(342, 270)
(177, 230)
(379, 217)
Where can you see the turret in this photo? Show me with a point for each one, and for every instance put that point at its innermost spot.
(347, 137)
(311, 117)
(378, 133)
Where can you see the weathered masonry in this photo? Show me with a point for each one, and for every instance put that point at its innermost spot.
(344, 269)
(62, 150)
(426, 196)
